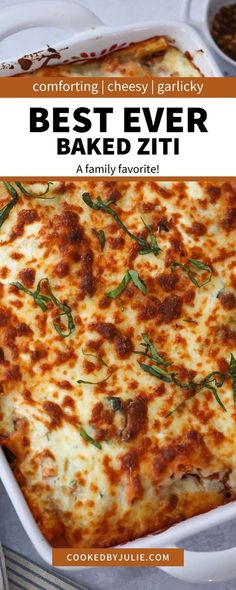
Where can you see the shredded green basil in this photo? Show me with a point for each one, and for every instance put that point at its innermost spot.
(115, 402)
(130, 275)
(151, 352)
(153, 247)
(43, 300)
(102, 238)
(139, 283)
(10, 189)
(232, 372)
(121, 287)
(6, 209)
(40, 300)
(156, 372)
(95, 382)
(105, 207)
(198, 265)
(208, 379)
(98, 357)
(4, 212)
(89, 438)
(35, 195)
(215, 377)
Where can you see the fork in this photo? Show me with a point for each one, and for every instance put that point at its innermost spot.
(3, 572)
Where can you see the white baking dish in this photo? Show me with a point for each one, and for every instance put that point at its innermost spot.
(86, 34)
(214, 566)
(81, 36)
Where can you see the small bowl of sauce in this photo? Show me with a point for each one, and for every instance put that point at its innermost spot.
(222, 28)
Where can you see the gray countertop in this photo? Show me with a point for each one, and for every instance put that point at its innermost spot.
(221, 537)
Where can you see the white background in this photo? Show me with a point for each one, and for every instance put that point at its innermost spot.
(201, 154)
(221, 537)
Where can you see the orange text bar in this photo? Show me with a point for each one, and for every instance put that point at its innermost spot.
(118, 557)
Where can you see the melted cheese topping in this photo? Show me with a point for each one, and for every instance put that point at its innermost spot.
(153, 57)
(97, 472)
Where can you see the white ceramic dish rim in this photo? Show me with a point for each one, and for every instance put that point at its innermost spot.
(89, 34)
(199, 567)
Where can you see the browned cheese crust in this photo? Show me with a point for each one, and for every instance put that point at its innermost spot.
(128, 450)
